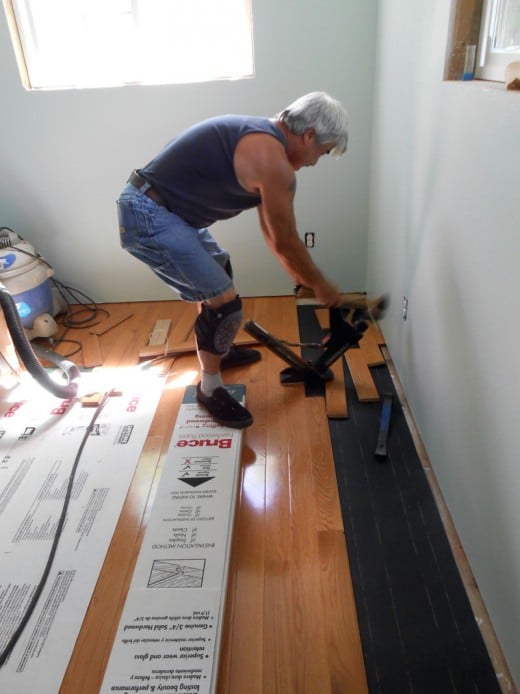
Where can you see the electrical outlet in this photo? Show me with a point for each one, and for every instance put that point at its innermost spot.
(309, 239)
(404, 308)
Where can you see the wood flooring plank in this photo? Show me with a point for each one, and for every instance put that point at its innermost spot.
(91, 352)
(252, 602)
(311, 658)
(345, 657)
(309, 632)
(279, 654)
(325, 495)
(241, 657)
(110, 323)
(378, 335)
(336, 392)
(370, 345)
(363, 382)
(278, 455)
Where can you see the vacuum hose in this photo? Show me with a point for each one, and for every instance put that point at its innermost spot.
(28, 354)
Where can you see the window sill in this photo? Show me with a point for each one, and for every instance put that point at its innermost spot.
(485, 85)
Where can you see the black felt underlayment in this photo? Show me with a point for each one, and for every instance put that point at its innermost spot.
(418, 631)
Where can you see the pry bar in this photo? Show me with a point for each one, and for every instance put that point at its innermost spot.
(381, 451)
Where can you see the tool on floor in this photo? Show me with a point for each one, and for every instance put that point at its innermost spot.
(342, 336)
(381, 451)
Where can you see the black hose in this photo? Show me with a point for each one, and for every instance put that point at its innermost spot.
(28, 354)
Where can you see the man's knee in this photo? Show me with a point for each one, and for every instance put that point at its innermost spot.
(215, 328)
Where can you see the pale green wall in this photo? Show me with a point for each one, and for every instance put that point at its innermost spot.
(445, 232)
(65, 155)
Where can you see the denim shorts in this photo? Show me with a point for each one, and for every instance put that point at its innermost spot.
(189, 260)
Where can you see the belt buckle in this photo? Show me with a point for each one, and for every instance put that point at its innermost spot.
(137, 180)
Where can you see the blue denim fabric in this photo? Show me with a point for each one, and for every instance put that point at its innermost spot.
(189, 260)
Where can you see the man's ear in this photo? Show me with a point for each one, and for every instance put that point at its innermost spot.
(309, 135)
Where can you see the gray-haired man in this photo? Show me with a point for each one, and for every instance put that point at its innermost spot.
(213, 171)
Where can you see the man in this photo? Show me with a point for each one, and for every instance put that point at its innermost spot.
(213, 171)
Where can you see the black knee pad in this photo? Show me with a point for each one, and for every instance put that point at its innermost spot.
(215, 329)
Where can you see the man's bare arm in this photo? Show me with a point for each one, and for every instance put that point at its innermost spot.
(262, 166)
(291, 253)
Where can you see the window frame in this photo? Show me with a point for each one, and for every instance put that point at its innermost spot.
(464, 37)
(111, 54)
(491, 63)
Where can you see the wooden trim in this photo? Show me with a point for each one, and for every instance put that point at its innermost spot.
(17, 44)
(464, 31)
(504, 676)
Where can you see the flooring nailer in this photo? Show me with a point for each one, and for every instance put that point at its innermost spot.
(342, 335)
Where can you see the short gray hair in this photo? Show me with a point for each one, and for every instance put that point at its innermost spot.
(321, 112)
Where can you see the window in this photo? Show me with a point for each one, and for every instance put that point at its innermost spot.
(499, 42)
(104, 43)
(484, 37)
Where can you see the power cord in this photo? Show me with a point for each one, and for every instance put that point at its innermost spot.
(89, 307)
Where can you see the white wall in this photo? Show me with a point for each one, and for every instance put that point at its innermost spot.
(66, 154)
(445, 232)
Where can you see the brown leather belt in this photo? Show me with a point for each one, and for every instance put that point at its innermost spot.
(138, 181)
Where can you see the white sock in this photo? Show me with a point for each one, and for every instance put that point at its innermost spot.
(209, 382)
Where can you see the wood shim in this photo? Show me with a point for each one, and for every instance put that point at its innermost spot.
(181, 329)
(92, 399)
(363, 382)
(159, 334)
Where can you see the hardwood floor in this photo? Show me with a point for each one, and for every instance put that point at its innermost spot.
(290, 622)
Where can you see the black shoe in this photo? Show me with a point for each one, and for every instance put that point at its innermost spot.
(239, 356)
(225, 409)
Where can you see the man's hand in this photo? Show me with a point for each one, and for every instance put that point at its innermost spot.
(327, 295)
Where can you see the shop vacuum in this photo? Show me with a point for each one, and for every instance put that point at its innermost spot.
(29, 304)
